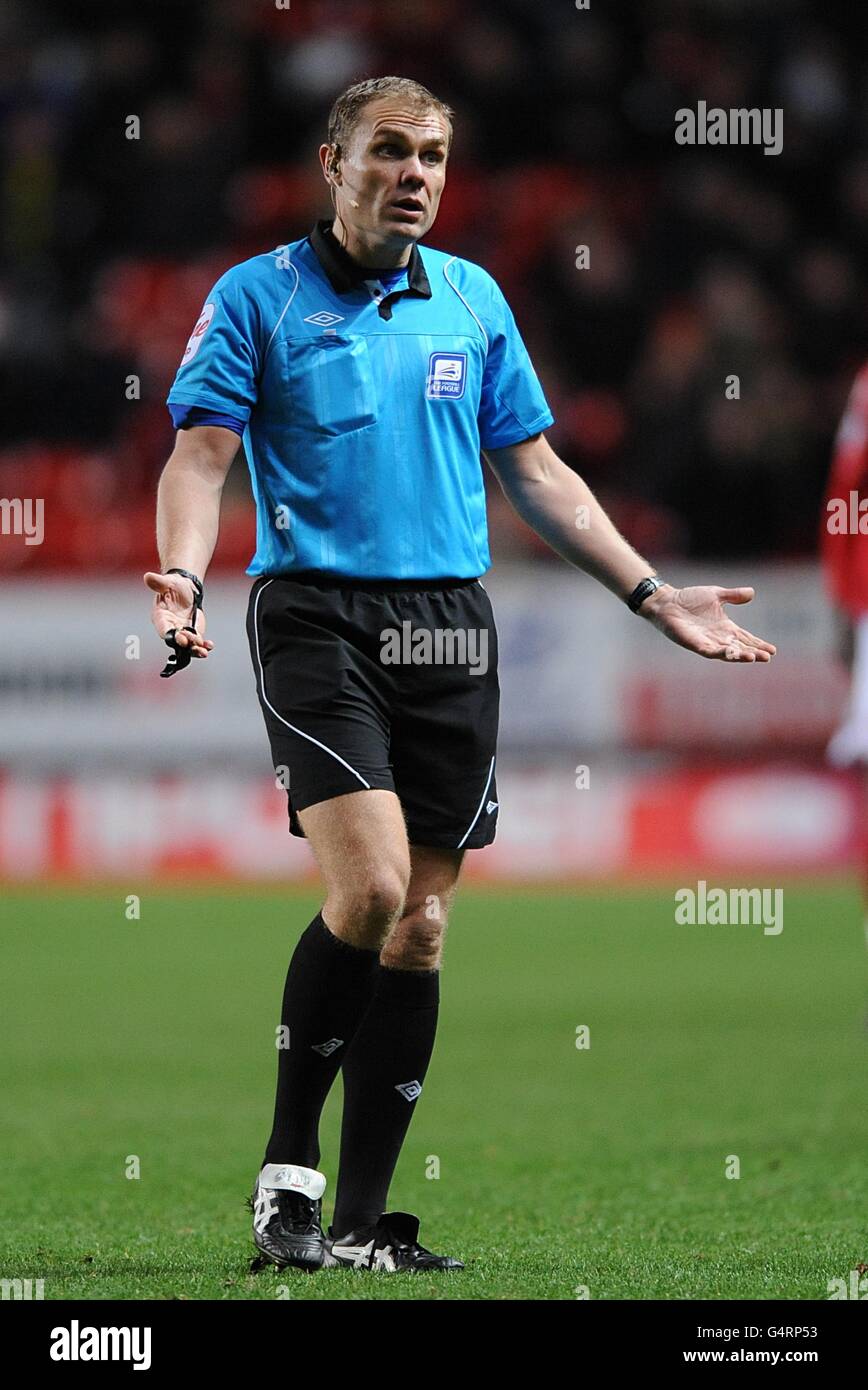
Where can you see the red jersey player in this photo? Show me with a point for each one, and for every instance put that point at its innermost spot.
(844, 551)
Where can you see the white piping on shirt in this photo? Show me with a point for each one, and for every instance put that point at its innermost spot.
(284, 309)
(453, 286)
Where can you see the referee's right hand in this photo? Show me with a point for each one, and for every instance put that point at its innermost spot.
(173, 608)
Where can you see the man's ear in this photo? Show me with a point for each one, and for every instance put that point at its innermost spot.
(331, 164)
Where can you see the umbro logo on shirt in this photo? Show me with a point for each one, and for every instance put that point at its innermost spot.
(323, 318)
(447, 372)
(327, 1048)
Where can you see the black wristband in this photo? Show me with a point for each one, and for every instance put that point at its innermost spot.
(194, 580)
(644, 589)
(180, 657)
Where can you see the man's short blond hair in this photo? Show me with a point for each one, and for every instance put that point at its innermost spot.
(344, 115)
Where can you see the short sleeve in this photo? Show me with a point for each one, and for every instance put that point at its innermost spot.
(512, 405)
(184, 417)
(220, 365)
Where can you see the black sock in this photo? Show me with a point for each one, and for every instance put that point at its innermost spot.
(383, 1072)
(329, 985)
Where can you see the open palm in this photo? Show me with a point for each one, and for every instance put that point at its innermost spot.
(173, 609)
(695, 618)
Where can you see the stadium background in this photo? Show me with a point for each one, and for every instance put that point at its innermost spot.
(703, 263)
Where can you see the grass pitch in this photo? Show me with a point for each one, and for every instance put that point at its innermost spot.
(560, 1169)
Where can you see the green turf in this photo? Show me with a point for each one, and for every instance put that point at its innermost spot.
(559, 1168)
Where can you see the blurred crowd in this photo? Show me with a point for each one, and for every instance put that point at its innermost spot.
(704, 262)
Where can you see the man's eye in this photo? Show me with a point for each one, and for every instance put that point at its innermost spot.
(431, 156)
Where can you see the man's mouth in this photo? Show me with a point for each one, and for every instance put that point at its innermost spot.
(411, 206)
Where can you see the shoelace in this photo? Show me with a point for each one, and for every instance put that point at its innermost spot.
(303, 1214)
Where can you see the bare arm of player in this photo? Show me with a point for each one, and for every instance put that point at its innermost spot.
(188, 520)
(561, 508)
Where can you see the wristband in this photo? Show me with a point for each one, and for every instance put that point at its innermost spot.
(180, 657)
(194, 580)
(644, 589)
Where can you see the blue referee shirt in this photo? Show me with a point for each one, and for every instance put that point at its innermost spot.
(364, 405)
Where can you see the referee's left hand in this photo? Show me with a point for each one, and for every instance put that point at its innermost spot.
(695, 619)
(173, 608)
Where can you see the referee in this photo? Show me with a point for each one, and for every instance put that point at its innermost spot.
(365, 376)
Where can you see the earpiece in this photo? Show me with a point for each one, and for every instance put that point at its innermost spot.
(335, 168)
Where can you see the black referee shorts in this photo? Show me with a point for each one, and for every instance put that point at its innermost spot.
(379, 684)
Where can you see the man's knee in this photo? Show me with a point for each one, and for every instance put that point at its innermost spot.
(363, 910)
(416, 940)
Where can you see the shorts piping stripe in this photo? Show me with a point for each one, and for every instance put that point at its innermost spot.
(479, 807)
(265, 699)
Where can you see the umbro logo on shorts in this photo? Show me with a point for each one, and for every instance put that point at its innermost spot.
(327, 1048)
(447, 372)
(492, 806)
(410, 1089)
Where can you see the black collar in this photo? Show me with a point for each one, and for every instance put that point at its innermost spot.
(345, 274)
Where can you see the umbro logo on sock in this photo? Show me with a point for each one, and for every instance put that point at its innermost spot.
(327, 1048)
(410, 1089)
(492, 806)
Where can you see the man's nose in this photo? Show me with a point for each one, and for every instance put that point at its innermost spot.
(413, 172)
